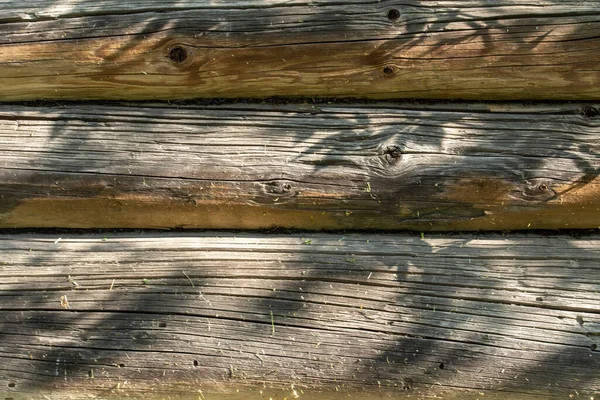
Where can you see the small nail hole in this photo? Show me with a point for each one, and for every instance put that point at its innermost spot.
(393, 14)
(121, 365)
(178, 54)
(388, 70)
(539, 299)
(594, 347)
(441, 366)
(12, 384)
(162, 324)
(195, 363)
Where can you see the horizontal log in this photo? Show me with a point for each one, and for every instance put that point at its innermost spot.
(141, 49)
(443, 167)
(322, 316)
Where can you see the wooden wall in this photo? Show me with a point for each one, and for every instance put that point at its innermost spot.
(299, 115)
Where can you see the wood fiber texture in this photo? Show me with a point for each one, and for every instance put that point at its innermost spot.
(357, 316)
(140, 49)
(320, 166)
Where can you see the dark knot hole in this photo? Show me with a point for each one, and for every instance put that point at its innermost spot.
(178, 54)
(393, 14)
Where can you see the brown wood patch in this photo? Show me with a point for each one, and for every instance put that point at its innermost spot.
(182, 49)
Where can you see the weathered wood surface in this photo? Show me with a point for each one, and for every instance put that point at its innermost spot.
(147, 315)
(140, 49)
(457, 167)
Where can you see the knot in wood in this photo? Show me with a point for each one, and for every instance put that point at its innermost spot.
(590, 112)
(279, 188)
(388, 70)
(391, 154)
(537, 192)
(178, 55)
(393, 14)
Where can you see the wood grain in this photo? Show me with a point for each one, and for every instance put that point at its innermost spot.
(249, 316)
(319, 166)
(141, 49)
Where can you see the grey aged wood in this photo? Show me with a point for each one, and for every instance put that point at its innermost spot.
(309, 166)
(217, 315)
(142, 49)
